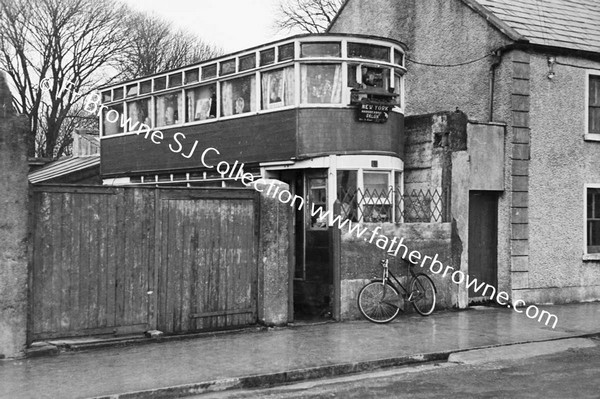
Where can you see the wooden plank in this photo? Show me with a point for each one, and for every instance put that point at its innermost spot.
(112, 239)
(66, 262)
(221, 313)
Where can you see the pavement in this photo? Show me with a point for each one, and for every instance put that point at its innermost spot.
(266, 357)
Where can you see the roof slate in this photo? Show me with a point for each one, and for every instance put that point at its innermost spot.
(572, 24)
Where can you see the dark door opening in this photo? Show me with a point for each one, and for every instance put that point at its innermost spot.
(483, 242)
(313, 276)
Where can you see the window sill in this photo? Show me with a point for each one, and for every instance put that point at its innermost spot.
(591, 137)
(591, 257)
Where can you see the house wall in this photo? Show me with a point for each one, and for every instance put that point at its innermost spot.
(13, 228)
(561, 163)
(436, 32)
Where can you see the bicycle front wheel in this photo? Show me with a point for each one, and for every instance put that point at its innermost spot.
(379, 302)
(422, 294)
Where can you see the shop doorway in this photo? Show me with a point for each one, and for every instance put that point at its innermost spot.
(313, 275)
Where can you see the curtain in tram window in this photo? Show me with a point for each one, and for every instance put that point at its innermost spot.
(226, 99)
(321, 83)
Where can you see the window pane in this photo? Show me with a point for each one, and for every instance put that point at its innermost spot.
(227, 67)
(238, 96)
(376, 77)
(160, 83)
(398, 58)
(593, 220)
(286, 52)
(267, 57)
(347, 194)
(175, 80)
(398, 89)
(209, 72)
(168, 109)
(247, 62)
(192, 76)
(368, 51)
(595, 90)
(111, 119)
(201, 103)
(132, 90)
(317, 190)
(139, 112)
(146, 87)
(321, 83)
(278, 88)
(320, 49)
(375, 183)
(117, 93)
(106, 96)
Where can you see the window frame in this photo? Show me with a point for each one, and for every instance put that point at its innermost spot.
(588, 76)
(586, 255)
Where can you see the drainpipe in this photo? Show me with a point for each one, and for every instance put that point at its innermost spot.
(496, 58)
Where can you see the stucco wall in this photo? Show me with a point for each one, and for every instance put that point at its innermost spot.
(13, 228)
(360, 260)
(561, 163)
(436, 32)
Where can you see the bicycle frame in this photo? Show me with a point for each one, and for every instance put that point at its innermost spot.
(387, 280)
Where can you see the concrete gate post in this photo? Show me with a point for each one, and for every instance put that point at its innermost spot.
(13, 227)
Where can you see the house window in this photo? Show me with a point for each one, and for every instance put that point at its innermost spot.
(278, 88)
(237, 96)
(201, 103)
(321, 83)
(593, 220)
(138, 112)
(169, 109)
(594, 105)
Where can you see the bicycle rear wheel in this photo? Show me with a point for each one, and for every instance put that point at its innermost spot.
(379, 303)
(422, 294)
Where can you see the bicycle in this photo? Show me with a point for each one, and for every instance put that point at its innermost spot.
(379, 300)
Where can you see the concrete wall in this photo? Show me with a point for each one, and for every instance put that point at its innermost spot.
(561, 162)
(436, 32)
(13, 227)
(273, 262)
(360, 260)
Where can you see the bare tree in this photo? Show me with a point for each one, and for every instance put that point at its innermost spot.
(155, 47)
(306, 16)
(70, 45)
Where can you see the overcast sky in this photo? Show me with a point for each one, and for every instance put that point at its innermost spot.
(230, 24)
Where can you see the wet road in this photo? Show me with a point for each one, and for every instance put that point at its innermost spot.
(574, 373)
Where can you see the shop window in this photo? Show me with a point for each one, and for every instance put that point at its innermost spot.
(594, 105)
(192, 76)
(593, 220)
(368, 51)
(321, 83)
(146, 87)
(175, 80)
(118, 93)
(132, 90)
(168, 109)
(160, 83)
(320, 49)
(111, 120)
(377, 192)
(201, 103)
(139, 112)
(278, 88)
(227, 67)
(286, 52)
(209, 72)
(267, 57)
(247, 62)
(237, 96)
(347, 194)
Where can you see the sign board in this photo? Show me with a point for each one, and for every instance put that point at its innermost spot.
(373, 112)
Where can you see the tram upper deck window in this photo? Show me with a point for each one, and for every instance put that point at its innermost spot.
(321, 83)
(368, 51)
(201, 103)
(320, 49)
(139, 112)
(238, 96)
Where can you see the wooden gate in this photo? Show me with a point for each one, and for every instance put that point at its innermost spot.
(125, 260)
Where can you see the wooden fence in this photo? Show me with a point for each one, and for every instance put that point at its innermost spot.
(125, 260)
